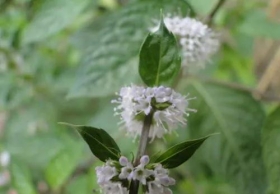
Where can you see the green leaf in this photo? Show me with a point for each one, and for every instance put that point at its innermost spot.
(201, 7)
(159, 57)
(180, 153)
(36, 129)
(257, 24)
(62, 166)
(21, 179)
(101, 144)
(83, 184)
(53, 16)
(238, 117)
(110, 46)
(271, 150)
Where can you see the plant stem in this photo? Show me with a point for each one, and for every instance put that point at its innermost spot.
(209, 19)
(134, 185)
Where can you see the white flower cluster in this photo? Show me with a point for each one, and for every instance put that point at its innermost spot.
(135, 102)
(198, 41)
(114, 177)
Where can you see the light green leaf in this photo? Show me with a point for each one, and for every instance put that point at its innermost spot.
(201, 7)
(21, 179)
(257, 24)
(83, 184)
(53, 16)
(101, 144)
(271, 150)
(236, 153)
(32, 123)
(111, 44)
(159, 57)
(62, 166)
(180, 153)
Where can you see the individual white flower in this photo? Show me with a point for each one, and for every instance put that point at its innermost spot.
(105, 173)
(141, 173)
(127, 169)
(198, 41)
(114, 188)
(5, 159)
(113, 175)
(135, 102)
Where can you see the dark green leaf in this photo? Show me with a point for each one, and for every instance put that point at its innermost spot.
(180, 153)
(159, 57)
(111, 44)
(236, 153)
(271, 150)
(101, 144)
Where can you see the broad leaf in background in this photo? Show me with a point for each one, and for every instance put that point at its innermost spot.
(201, 7)
(32, 123)
(52, 16)
(110, 46)
(258, 24)
(21, 179)
(159, 57)
(101, 144)
(271, 150)
(179, 153)
(62, 166)
(236, 154)
(79, 185)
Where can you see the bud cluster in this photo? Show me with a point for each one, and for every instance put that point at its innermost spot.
(168, 107)
(114, 177)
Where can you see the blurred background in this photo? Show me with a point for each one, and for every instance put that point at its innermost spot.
(63, 61)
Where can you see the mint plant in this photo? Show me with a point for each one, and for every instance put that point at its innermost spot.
(149, 112)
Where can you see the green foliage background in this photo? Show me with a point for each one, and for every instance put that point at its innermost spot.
(63, 60)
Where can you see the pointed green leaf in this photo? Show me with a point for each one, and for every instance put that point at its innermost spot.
(101, 144)
(271, 150)
(104, 66)
(159, 57)
(180, 153)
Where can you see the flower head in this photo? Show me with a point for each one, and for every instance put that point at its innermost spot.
(135, 102)
(198, 41)
(114, 177)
